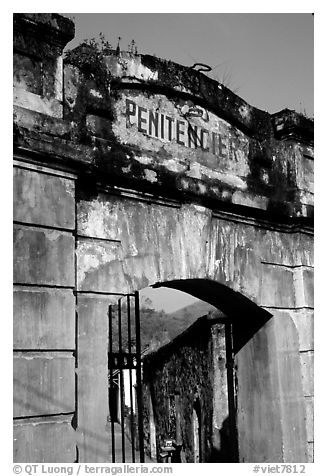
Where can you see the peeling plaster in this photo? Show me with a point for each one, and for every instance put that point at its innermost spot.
(256, 201)
(54, 235)
(96, 94)
(201, 172)
(150, 175)
(98, 219)
(245, 111)
(130, 66)
(126, 169)
(174, 165)
(144, 160)
(91, 256)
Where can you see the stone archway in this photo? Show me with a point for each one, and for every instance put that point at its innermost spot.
(244, 322)
(266, 419)
(267, 404)
(261, 419)
(232, 303)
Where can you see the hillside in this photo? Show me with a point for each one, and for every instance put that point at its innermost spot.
(158, 327)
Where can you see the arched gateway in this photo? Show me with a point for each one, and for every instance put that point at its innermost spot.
(131, 171)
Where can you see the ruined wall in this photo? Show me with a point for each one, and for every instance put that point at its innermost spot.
(103, 205)
(175, 378)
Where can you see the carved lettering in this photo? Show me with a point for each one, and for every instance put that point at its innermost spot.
(181, 131)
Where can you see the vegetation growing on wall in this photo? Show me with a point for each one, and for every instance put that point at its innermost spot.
(182, 369)
(158, 327)
(89, 58)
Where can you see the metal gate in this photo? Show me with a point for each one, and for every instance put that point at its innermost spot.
(125, 381)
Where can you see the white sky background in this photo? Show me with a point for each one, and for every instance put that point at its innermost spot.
(266, 58)
(166, 299)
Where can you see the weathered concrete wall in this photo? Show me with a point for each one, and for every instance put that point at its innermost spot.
(276, 397)
(40, 440)
(44, 315)
(38, 64)
(92, 389)
(111, 195)
(180, 242)
(160, 243)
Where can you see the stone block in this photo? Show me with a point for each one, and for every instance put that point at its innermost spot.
(303, 284)
(43, 199)
(40, 38)
(100, 266)
(238, 251)
(271, 411)
(93, 408)
(258, 413)
(308, 286)
(99, 217)
(46, 440)
(277, 286)
(254, 201)
(310, 452)
(44, 383)
(309, 417)
(308, 173)
(37, 103)
(28, 73)
(305, 176)
(288, 249)
(43, 256)
(304, 322)
(44, 318)
(306, 359)
(42, 34)
(292, 404)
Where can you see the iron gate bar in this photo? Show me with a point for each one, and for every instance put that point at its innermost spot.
(139, 376)
(110, 390)
(130, 376)
(124, 360)
(231, 390)
(124, 353)
(121, 376)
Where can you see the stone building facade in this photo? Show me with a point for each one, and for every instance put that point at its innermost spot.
(131, 171)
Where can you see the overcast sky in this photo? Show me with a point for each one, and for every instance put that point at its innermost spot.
(266, 58)
(166, 299)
